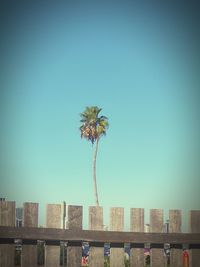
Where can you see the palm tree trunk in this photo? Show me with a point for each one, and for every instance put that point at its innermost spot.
(94, 173)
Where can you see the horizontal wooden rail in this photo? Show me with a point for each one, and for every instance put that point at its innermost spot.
(26, 234)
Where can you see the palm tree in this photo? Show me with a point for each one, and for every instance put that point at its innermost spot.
(92, 128)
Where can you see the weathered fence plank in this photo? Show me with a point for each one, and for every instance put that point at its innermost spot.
(156, 226)
(175, 227)
(53, 220)
(195, 228)
(117, 224)
(75, 218)
(96, 254)
(7, 218)
(137, 225)
(30, 219)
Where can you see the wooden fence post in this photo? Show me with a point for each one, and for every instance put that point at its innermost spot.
(137, 225)
(7, 218)
(96, 254)
(175, 227)
(156, 226)
(30, 219)
(117, 224)
(53, 220)
(195, 228)
(74, 253)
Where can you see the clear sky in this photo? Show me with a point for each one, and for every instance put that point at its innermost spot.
(140, 64)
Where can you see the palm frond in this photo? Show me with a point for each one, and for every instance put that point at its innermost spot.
(93, 126)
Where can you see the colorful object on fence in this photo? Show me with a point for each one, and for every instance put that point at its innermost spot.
(84, 261)
(185, 258)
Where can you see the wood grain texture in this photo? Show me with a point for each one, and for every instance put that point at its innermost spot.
(7, 218)
(175, 222)
(75, 218)
(7, 213)
(53, 216)
(53, 220)
(137, 225)
(30, 214)
(116, 224)
(195, 228)
(156, 226)
(30, 219)
(96, 255)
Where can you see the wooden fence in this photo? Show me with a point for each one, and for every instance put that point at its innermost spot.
(54, 233)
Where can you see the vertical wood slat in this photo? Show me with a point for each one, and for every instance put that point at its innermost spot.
(7, 218)
(30, 219)
(117, 224)
(175, 222)
(96, 255)
(137, 225)
(75, 218)
(53, 220)
(195, 228)
(156, 226)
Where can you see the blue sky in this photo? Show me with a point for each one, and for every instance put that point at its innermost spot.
(140, 64)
